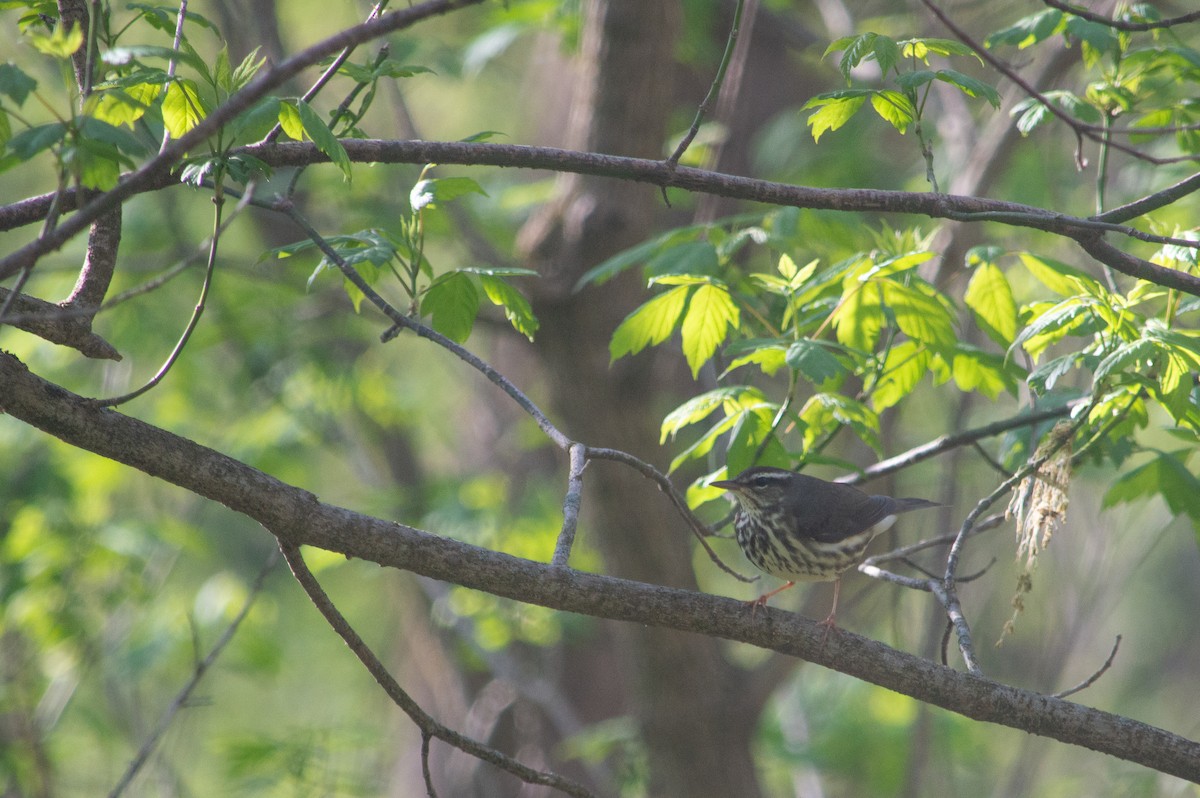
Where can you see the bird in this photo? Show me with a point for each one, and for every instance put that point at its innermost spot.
(801, 528)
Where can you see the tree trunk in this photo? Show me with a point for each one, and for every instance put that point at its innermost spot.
(696, 731)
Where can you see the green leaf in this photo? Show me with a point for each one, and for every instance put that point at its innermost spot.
(182, 107)
(1043, 379)
(990, 297)
(29, 143)
(835, 110)
(1029, 31)
(223, 71)
(919, 315)
(453, 302)
(483, 135)
(905, 366)
(1053, 325)
(924, 47)
(123, 106)
(1130, 354)
(59, 43)
(1167, 475)
(825, 412)
(289, 120)
(246, 70)
(814, 361)
(769, 359)
(323, 137)
(688, 258)
(698, 408)
(894, 108)
(976, 370)
(516, 306)
(1054, 274)
(856, 49)
(15, 84)
(753, 427)
(970, 86)
(650, 324)
(886, 52)
(643, 252)
(711, 312)
(859, 318)
(97, 130)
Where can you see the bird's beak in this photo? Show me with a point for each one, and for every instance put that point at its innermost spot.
(726, 484)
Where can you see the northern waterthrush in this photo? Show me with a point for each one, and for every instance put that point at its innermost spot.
(800, 528)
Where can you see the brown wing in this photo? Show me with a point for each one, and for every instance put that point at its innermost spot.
(830, 511)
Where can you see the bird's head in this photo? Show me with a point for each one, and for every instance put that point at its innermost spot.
(759, 487)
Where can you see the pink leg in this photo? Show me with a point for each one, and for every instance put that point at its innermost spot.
(761, 601)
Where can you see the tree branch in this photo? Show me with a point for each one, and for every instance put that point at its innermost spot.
(240, 102)
(425, 722)
(297, 517)
(1086, 231)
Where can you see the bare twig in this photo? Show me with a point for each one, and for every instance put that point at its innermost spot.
(699, 529)
(1089, 681)
(948, 442)
(340, 59)
(424, 721)
(197, 312)
(1081, 130)
(402, 321)
(571, 503)
(945, 590)
(151, 742)
(241, 101)
(1120, 24)
(714, 89)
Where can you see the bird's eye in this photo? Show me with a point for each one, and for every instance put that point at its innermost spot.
(761, 482)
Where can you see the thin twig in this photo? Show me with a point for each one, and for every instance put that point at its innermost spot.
(1081, 130)
(713, 90)
(947, 442)
(424, 721)
(151, 742)
(340, 59)
(402, 321)
(699, 529)
(571, 504)
(197, 311)
(1089, 681)
(946, 590)
(1120, 24)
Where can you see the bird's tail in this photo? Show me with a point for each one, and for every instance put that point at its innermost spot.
(906, 505)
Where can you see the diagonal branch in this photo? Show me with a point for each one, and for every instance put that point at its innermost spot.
(299, 518)
(240, 102)
(425, 722)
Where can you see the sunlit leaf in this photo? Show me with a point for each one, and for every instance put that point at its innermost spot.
(452, 301)
(650, 324)
(516, 306)
(710, 314)
(894, 108)
(990, 297)
(833, 110)
(182, 107)
(905, 366)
